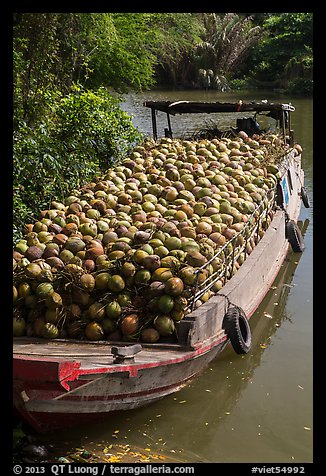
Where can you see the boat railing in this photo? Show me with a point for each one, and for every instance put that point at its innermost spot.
(228, 254)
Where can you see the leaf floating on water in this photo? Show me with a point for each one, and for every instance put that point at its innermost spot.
(300, 387)
(306, 428)
(207, 390)
(113, 459)
(158, 416)
(227, 413)
(263, 346)
(183, 401)
(268, 315)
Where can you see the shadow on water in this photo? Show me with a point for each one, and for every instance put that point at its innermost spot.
(178, 427)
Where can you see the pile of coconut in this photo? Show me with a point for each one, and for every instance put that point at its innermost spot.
(122, 258)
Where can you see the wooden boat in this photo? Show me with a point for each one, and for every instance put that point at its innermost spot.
(61, 383)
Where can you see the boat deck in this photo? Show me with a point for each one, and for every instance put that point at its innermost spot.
(94, 355)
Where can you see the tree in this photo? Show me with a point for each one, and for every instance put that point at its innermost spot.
(227, 42)
(176, 37)
(52, 51)
(124, 60)
(287, 43)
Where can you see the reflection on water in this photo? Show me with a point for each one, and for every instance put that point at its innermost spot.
(243, 408)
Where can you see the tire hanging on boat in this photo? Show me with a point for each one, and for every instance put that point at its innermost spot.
(304, 197)
(293, 234)
(236, 326)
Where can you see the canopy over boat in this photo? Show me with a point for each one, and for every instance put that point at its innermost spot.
(182, 107)
(278, 111)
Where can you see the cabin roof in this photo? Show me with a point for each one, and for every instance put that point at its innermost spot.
(185, 107)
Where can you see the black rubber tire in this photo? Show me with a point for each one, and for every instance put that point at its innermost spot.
(304, 197)
(237, 329)
(294, 236)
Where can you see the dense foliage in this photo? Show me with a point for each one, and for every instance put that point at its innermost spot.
(285, 54)
(66, 67)
(85, 133)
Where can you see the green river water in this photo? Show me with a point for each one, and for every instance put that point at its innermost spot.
(252, 408)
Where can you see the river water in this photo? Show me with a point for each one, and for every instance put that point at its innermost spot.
(252, 408)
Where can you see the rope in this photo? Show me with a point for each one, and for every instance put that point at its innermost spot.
(229, 304)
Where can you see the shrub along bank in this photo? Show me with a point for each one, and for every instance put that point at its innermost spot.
(84, 133)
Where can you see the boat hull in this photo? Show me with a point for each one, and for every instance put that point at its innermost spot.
(97, 394)
(60, 384)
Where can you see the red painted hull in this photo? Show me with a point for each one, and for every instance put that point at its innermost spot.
(49, 406)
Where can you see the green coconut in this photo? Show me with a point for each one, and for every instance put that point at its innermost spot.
(142, 276)
(102, 281)
(116, 283)
(113, 310)
(124, 299)
(172, 243)
(165, 303)
(164, 325)
(97, 311)
(128, 269)
(88, 282)
(50, 331)
(32, 270)
(43, 290)
(94, 331)
(162, 274)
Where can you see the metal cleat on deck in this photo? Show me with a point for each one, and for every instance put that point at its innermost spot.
(125, 353)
